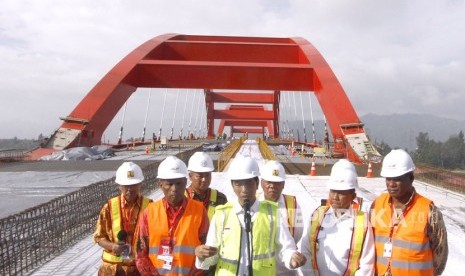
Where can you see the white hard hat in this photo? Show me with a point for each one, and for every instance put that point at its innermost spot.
(273, 171)
(172, 168)
(397, 163)
(243, 167)
(200, 162)
(129, 173)
(343, 176)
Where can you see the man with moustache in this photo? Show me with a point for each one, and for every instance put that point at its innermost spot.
(410, 234)
(339, 240)
(172, 227)
(273, 177)
(117, 225)
(245, 235)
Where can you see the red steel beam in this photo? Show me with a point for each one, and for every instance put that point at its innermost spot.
(255, 98)
(240, 114)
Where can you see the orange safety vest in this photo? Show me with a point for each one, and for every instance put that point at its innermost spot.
(212, 203)
(291, 207)
(185, 236)
(358, 237)
(411, 249)
(114, 205)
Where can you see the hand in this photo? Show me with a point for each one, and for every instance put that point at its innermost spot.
(117, 248)
(205, 251)
(297, 260)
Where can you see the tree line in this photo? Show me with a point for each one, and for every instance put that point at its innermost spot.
(449, 154)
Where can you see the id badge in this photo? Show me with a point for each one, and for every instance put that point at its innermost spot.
(387, 250)
(165, 252)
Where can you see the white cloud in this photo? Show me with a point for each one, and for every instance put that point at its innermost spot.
(387, 55)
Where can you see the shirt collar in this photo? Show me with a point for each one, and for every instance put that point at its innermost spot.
(169, 207)
(124, 202)
(238, 208)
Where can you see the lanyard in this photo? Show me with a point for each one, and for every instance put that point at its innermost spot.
(174, 223)
(127, 219)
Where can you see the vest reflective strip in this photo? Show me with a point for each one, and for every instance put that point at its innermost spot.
(211, 207)
(224, 219)
(316, 220)
(177, 249)
(406, 264)
(404, 244)
(291, 207)
(115, 205)
(174, 270)
(234, 262)
(358, 237)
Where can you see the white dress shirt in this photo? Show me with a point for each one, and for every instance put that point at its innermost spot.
(298, 230)
(333, 247)
(285, 244)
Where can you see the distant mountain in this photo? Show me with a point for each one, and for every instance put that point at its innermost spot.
(401, 130)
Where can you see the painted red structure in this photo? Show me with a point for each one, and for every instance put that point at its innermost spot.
(213, 63)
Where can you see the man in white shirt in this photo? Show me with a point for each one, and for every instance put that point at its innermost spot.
(340, 240)
(245, 235)
(273, 177)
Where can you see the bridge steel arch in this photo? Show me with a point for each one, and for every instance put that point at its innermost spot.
(213, 62)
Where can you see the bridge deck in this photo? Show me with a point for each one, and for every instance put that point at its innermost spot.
(84, 257)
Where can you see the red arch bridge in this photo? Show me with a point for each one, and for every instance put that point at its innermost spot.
(246, 83)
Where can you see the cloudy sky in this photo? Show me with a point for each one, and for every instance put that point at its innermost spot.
(390, 56)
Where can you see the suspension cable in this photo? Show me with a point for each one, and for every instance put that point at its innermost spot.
(311, 115)
(162, 114)
(174, 114)
(145, 119)
(303, 119)
(120, 136)
(190, 117)
(295, 116)
(288, 101)
(183, 115)
(197, 115)
(202, 118)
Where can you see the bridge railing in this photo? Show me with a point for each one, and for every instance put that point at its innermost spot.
(441, 178)
(266, 152)
(34, 236)
(225, 155)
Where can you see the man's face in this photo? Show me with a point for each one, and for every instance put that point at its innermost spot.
(245, 189)
(400, 187)
(130, 192)
(200, 181)
(173, 189)
(272, 190)
(341, 199)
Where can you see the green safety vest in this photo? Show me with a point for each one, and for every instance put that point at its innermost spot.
(229, 232)
(117, 225)
(358, 236)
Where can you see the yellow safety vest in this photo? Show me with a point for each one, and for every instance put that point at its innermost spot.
(358, 236)
(229, 232)
(211, 202)
(117, 225)
(291, 207)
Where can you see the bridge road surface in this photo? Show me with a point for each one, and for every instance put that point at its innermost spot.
(84, 257)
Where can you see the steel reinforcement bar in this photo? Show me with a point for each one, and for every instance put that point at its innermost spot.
(32, 237)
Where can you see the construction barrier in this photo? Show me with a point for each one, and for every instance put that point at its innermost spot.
(265, 150)
(226, 154)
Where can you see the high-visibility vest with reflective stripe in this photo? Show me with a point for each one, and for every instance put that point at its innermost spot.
(211, 203)
(356, 205)
(411, 250)
(229, 232)
(114, 205)
(358, 236)
(291, 207)
(185, 236)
